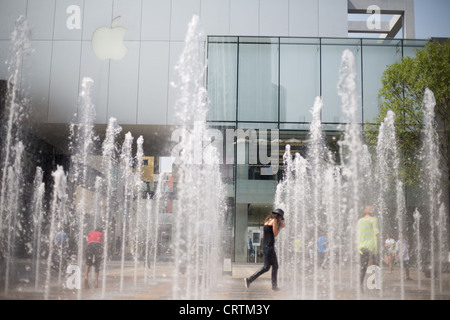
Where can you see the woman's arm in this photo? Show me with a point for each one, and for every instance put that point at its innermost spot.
(277, 228)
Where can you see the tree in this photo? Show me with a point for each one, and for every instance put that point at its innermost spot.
(403, 88)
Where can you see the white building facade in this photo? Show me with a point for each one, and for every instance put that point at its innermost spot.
(294, 45)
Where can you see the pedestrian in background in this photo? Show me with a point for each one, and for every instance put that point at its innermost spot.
(322, 246)
(389, 245)
(368, 233)
(94, 255)
(402, 254)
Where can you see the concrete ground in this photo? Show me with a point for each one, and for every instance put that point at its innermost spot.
(123, 286)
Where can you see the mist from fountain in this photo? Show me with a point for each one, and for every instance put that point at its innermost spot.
(199, 205)
(387, 169)
(12, 148)
(308, 194)
(70, 209)
(320, 197)
(58, 206)
(323, 198)
(83, 199)
(324, 205)
(355, 162)
(37, 212)
(109, 150)
(153, 228)
(139, 202)
(442, 243)
(13, 212)
(431, 179)
(126, 174)
(418, 250)
(82, 140)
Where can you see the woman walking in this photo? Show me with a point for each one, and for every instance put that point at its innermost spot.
(272, 227)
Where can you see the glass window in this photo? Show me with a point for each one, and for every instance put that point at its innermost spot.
(299, 78)
(332, 50)
(410, 47)
(258, 81)
(275, 82)
(222, 77)
(377, 56)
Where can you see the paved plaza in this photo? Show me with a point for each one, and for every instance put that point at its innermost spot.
(129, 284)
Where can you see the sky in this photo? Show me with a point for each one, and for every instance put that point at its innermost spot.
(432, 18)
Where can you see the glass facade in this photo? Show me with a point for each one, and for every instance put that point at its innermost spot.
(266, 87)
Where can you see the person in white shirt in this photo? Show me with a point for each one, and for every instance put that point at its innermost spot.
(389, 245)
(402, 253)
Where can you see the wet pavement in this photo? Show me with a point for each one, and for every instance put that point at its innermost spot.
(129, 284)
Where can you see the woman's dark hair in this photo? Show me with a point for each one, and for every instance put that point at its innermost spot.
(275, 216)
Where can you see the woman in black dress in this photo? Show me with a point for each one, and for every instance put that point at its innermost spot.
(272, 227)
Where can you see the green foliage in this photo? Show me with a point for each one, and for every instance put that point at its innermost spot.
(403, 88)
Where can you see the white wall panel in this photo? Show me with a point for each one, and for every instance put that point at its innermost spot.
(64, 81)
(130, 17)
(4, 55)
(98, 71)
(9, 12)
(153, 83)
(215, 16)
(303, 18)
(156, 20)
(37, 79)
(333, 18)
(175, 50)
(274, 17)
(40, 16)
(98, 13)
(182, 12)
(123, 86)
(244, 17)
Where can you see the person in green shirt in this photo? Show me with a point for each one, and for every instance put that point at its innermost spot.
(367, 240)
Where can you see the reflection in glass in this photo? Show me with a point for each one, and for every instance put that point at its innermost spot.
(331, 62)
(258, 82)
(222, 77)
(299, 80)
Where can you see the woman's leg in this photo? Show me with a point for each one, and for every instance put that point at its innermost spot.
(263, 270)
(274, 262)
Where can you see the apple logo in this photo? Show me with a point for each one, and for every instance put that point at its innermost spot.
(108, 42)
